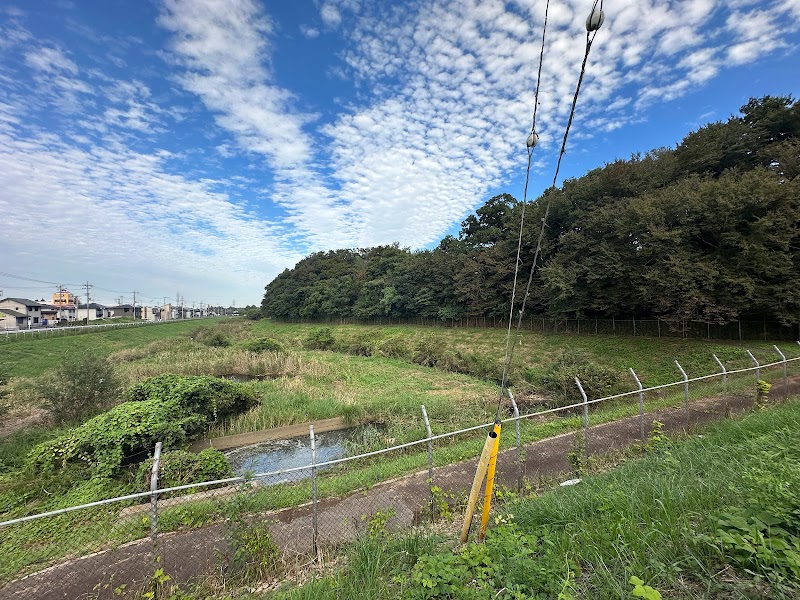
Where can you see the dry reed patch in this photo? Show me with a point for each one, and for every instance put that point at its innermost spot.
(220, 362)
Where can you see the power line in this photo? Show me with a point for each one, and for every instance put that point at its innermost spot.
(3, 274)
(593, 24)
(530, 144)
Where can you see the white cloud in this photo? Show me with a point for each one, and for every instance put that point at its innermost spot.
(224, 49)
(330, 15)
(309, 32)
(114, 213)
(452, 85)
(444, 95)
(50, 60)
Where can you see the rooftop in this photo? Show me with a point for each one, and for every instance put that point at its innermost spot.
(24, 301)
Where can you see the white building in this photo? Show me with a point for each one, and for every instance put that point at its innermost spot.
(30, 309)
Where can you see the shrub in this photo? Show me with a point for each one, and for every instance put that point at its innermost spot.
(210, 337)
(394, 347)
(364, 344)
(559, 380)
(122, 434)
(169, 408)
(320, 339)
(211, 397)
(179, 467)
(265, 345)
(81, 385)
(426, 352)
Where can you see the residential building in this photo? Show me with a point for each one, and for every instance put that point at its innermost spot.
(95, 311)
(49, 315)
(64, 298)
(166, 312)
(12, 319)
(29, 308)
(124, 310)
(148, 313)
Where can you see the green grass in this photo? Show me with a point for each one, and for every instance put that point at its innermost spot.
(32, 357)
(656, 518)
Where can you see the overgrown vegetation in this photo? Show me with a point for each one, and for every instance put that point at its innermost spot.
(170, 409)
(179, 467)
(79, 386)
(558, 383)
(4, 379)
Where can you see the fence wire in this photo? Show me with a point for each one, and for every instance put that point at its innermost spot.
(263, 526)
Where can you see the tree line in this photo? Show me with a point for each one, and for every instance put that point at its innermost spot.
(707, 231)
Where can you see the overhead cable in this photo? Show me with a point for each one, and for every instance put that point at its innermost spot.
(593, 24)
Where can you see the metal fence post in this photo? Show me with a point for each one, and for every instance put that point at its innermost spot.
(154, 502)
(758, 372)
(685, 393)
(758, 366)
(641, 406)
(517, 439)
(785, 379)
(430, 459)
(314, 528)
(724, 384)
(585, 418)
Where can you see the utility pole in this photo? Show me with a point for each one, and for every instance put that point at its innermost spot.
(88, 286)
(134, 304)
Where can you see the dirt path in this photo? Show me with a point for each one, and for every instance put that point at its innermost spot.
(190, 555)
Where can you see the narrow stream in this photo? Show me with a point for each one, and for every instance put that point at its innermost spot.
(278, 455)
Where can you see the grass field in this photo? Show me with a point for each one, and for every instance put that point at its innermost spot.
(31, 357)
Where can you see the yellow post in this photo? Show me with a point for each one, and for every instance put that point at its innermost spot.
(480, 473)
(487, 496)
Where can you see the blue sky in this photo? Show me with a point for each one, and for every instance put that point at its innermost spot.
(204, 146)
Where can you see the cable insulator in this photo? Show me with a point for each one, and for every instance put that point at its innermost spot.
(533, 139)
(595, 20)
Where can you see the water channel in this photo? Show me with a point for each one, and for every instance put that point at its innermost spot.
(278, 455)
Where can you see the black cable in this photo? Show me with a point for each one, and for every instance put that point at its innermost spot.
(530, 147)
(590, 35)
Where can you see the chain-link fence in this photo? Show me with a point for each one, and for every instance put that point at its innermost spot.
(657, 328)
(265, 526)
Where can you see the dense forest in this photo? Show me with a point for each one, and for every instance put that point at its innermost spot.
(708, 231)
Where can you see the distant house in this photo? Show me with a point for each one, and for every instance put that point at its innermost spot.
(11, 319)
(166, 312)
(30, 309)
(93, 310)
(49, 315)
(148, 313)
(123, 310)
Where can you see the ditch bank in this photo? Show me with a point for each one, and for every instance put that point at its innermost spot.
(229, 442)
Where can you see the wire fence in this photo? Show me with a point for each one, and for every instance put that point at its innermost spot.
(265, 526)
(657, 328)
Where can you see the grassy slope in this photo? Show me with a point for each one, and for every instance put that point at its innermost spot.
(31, 357)
(651, 358)
(644, 519)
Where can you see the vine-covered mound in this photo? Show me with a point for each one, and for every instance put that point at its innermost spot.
(171, 409)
